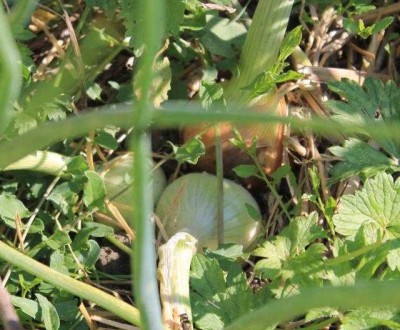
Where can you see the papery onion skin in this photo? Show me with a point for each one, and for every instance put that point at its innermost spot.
(190, 204)
(117, 175)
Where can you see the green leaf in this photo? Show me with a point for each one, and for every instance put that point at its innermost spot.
(57, 262)
(106, 140)
(94, 191)
(68, 310)
(190, 152)
(210, 93)
(218, 300)
(10, 207)
(89, 253)
(367, 318)
(289, 43)
(77, 166)
(374, 211)
(28, 306)
(245, 171)
(382, 24)
(358, 158)
(49, 313)
(94, 91)
(373, 103)
(223, 37)
(173, 16)
(64, 196)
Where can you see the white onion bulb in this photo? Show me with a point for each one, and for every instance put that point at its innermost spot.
(117, 176)
(189, 204)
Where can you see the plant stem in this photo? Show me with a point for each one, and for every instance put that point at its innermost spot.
(261, 47)
(62, 281)
(144, 256)
(173, 272)
(220, 185)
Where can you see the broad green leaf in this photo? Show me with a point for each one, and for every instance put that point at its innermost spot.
(223, 37)
(245, 171)
(64, 197)
(49, 313)
(374, 211)
(94, 91)
(28, 306)
(11, 207)
(68, 310)
(94, 191)
(57, 262)
(106, 140)
(210, 92)
(89, 253)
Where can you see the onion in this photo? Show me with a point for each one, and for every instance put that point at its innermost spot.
(188, 209)
(118, 181)
(189, 204)
(269, 143)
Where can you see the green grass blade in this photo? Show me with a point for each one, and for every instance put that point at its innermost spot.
(64, 282)
(371, 294)
(11, 74)
(177, 114)
(144, 256)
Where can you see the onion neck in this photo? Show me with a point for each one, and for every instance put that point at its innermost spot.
(173, 272)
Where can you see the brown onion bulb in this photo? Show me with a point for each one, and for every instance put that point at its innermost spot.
(269, 143)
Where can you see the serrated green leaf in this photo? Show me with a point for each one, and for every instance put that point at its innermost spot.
(218, 300)
(368, 318)
(358, 157)
(372, 104)
(374, 211)
(77, 165)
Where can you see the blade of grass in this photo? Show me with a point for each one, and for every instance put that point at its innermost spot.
(120, 115)
(64, 282)
(145, 283)
(11, 74)
(373, 294)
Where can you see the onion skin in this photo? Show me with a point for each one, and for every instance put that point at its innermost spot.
(190, 204)
(116, 175)
(269, 144)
